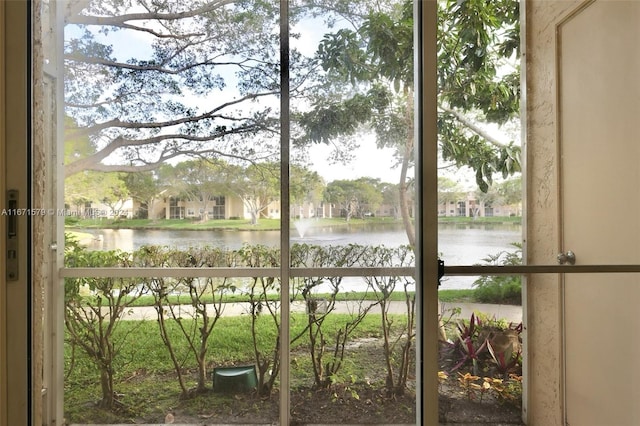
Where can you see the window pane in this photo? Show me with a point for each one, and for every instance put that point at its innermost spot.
(351, 195)
(171, 124)
(480, 210)
(172, 161)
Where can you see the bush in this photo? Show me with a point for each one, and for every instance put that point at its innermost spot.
(501, 290)
(71, 220)
(506, 289)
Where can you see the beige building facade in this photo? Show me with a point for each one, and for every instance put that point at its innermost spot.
(221, 207)
(470, 206)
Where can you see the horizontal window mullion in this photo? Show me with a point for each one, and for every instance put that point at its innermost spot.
(354, 272)
(462, 270)
(453, 270)
(231, 272)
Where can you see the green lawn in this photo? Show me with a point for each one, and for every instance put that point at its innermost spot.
(263, 224)
(466, 295)
(222, 224)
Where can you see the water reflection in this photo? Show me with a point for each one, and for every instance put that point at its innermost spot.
(459, 244)
(132, 239)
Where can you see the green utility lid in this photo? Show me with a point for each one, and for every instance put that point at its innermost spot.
(235, 379)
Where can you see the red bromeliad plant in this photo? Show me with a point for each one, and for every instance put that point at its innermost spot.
(465, 348)
(484, 347)
(472, 351)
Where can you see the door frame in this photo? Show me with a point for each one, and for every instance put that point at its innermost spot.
(3, 231)
(15, 338)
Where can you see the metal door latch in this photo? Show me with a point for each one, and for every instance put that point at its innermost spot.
(568, 257)
(12, 235)
(440, 271)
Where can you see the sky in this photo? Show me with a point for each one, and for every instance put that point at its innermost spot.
(369, 161)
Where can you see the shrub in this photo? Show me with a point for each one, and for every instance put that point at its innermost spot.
(502, 288)
(484, 346)
(71, 220)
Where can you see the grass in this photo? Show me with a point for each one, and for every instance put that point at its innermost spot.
(465, 295)
(216, 224)
(79, 236)
(145, 375)
(142, 348)
(148, 300)
(262, 225)
(176, 224)
(147, 384)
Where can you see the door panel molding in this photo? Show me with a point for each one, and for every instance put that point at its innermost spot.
(560, 25)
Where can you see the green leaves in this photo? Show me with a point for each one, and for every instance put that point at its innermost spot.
(343, 53)
(328, 121)
(478, 80)
(382, 48)
(477, 41)
(464, 147)
(354, 198)
(390, 45)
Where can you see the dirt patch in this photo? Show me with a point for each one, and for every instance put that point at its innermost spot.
(455, 407)
(362, 402)
(359, 401)
(339, 406)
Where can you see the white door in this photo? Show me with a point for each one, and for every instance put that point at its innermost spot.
(599, 137)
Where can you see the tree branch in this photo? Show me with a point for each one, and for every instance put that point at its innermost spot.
(148, 67)
(93, 162)
(465, 121)
(121, 20)
(116, 122)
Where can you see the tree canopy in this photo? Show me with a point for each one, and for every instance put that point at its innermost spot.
(477, 42)
(478, 81)
(354, 198)
(150, 81)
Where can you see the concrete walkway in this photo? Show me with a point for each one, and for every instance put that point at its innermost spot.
(509, 313)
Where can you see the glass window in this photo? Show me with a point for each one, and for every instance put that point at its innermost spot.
(479, 177)
(271, 267)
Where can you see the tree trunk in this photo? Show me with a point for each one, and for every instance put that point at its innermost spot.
(406, 160)
(202, 371)
(388, 355)
(164, 333)
(107, 389)
(404, 200)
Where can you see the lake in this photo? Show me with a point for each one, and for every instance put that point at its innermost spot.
(458, 244)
